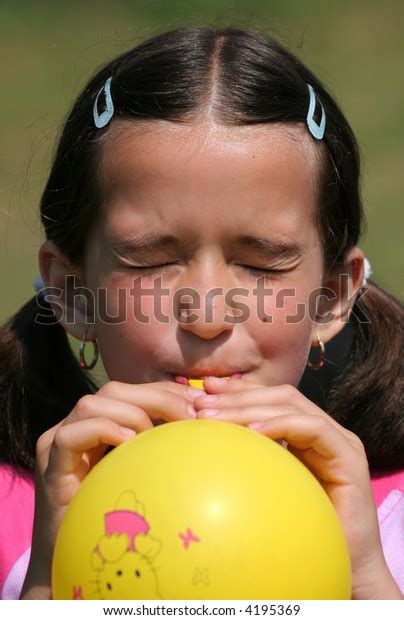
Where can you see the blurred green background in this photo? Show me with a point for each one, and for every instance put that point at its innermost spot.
(50, 49)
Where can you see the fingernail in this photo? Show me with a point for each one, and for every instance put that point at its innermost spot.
(191, 411)
(129, 432)
(255, 425)
(194, 392)
(210, 412)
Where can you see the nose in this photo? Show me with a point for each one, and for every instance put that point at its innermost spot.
(202, 310)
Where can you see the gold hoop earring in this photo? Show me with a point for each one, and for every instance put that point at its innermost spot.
(321, 361)
(83, 363)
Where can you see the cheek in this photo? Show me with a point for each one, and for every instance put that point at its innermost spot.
(131, 330)
(283, 332)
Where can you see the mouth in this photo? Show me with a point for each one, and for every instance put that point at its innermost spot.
(195, 380)
(185, 378)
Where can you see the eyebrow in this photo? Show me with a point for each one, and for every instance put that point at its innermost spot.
(144, 244)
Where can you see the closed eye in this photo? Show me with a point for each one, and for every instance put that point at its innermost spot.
(162, 267)
(255, 270)
(262, 270)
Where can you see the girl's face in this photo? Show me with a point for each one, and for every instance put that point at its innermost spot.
(204, 208)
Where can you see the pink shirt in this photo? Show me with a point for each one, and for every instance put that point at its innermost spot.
(17, 512)
(16, 520)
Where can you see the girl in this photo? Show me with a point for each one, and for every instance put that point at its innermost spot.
(208, 164)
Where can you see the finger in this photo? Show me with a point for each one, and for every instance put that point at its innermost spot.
(259, 395)
(71, 440)
(166, 404)
(126, 415)
(246, 415)
(43, 446)
(174, 408)
(184, 391)
(123, 413)
(302, 431)
(311, 432)
(217, 385)
(278, 395)
(89, 407)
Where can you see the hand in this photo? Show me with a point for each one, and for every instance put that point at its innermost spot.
(69, 450)
(335, 456)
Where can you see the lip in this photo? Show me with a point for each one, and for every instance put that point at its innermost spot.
(183, 377)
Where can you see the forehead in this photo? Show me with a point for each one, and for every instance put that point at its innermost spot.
(171, 175)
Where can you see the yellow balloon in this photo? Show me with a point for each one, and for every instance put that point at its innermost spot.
(201, 509)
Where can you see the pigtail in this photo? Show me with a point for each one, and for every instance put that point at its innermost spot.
(40, 381)
(368, 396)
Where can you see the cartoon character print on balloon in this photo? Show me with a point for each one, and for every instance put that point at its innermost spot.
(123, 558)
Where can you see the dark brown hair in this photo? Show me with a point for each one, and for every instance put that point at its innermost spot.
(247, 78)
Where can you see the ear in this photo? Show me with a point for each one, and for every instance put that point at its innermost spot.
(72, 302)
(341, 288)
(127, 501)
(112, 547)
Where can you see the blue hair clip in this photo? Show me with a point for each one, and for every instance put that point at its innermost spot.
(103, 119)
(316, 130)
